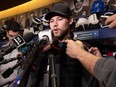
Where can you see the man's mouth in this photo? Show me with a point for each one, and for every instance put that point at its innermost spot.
(56, 31)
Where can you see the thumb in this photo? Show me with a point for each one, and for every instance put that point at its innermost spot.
(80, 44)
(67, 41)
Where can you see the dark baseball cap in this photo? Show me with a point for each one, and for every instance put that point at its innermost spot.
(60, 9)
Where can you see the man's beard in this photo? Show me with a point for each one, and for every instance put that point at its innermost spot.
(62, 35)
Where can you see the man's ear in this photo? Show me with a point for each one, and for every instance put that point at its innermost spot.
(7, 34)
(71, 20)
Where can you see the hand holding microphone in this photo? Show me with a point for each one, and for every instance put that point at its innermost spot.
(18, 42)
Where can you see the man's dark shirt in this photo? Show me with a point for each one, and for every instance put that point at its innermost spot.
(70, 70)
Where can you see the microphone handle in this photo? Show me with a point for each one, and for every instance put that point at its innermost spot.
(15, 66)
(7, 60)
(1, 58)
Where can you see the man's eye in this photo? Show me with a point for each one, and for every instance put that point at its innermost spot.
(10, 35)
(59, 18)
(51, 21)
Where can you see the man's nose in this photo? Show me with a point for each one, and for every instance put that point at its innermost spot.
(55, 23)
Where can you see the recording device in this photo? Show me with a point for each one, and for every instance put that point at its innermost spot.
(9, 60)
(21, 41)
(18, 42)
(44, 38)
(10, 70)
(50, 49)
(46, 34)
(50, 43)
(46, 41)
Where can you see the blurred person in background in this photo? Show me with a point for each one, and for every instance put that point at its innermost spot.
(12, 29)
(80, 9)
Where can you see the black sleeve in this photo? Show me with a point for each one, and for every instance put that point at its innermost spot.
(105, 72)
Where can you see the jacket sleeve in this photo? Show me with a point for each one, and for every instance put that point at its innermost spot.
(105, 71)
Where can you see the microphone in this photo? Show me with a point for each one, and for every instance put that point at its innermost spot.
(9, 60)
(18, 42)
(44, 40)
(10, 70)
(50, 43)
(45, 35)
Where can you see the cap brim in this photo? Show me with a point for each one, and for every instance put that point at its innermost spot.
(52, 14)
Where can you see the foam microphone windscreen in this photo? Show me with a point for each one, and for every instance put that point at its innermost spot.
(47, 33)
(28, 37)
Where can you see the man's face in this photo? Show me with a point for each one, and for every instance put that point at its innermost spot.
(60, 26)
(78, 4)
(11, 34)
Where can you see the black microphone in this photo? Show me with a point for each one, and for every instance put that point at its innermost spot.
(45, 36)
(44, 40)
(53, 47)
(18, 42)
(50, 43)
(10, 70)
(9, 60)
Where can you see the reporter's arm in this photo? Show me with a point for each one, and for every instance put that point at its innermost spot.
(88, 60)
(105, 71)
(75, 50)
